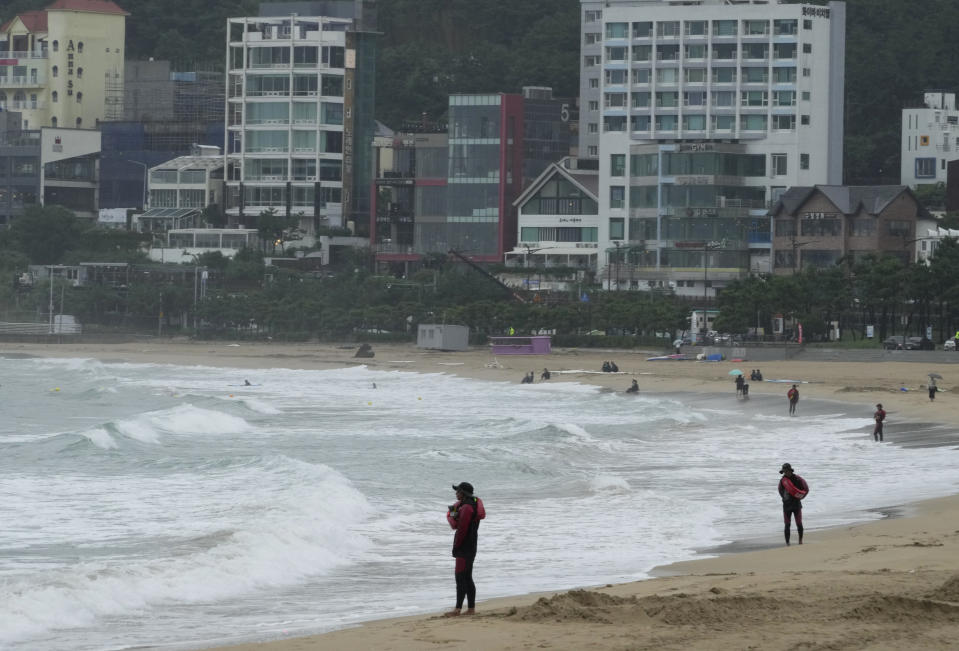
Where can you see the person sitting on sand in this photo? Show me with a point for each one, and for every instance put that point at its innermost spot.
(759, 375)
(545, 375)
(527, 379)
(613, 368)
(606, 368)
(792, 489)
(246, 383)
(633, 388)
(464, 516)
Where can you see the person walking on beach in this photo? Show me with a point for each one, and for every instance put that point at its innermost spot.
(793, 395)
(464, 517)
(879, 416)
(932, 389)
(792, 490)
(739, 385)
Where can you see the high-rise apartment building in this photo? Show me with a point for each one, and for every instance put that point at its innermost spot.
(63, 66)
(703, 113)
(930, 140)
(300, 113)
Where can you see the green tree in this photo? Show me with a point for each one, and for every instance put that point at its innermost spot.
(46, 233)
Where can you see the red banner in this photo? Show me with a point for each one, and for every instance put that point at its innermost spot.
(800, 333)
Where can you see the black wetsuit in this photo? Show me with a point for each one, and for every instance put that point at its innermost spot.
(792, 506)
(464, 551)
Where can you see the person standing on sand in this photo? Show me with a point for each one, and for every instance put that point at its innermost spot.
(792, 489)
(793, 395)
(879, 416)
(739, 385)
(932, 389)
(464, 516)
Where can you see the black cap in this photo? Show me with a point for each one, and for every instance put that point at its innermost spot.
(785, 467)
(465, 486)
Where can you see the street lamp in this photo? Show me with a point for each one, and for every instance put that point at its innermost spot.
(145, 169)
(707, 247)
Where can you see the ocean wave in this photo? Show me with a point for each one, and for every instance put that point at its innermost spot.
(295, 522)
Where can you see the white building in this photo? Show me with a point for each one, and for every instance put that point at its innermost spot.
(930, 140)
(558, 218)
(707, 112)
(63, 66)
(929, 239)
(299, 115)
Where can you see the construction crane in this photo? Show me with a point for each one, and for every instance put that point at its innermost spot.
(480, 269)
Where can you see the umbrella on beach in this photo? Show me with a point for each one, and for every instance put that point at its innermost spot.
(935, 376)
(735, 371)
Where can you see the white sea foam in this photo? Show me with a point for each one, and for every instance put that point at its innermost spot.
(291, 531)
(100, 438)
(231, 509)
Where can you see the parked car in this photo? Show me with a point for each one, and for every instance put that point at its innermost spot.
(949, 344)
(895, 342)
(919, 343)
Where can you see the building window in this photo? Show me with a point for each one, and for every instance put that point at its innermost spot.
(779, 164)
(591, 38)
(614, 123)
(592, 127)
(642, 30)
(617, 196)
(79, 97)
(617, 164)
(593, 105)
(79, 46)
(804, 161)
(54, 97)
(617, 30)
(807, 48)
(53, 121)
(807, 24)
(925, 168)
(784, 122)
(55, 71)
(79, 122)
(56, 46)
(592, 151)
(899, 227)
(804, 120)
(695, 28)
(667, 29)
(33, 103)
(806, 72)
(594, 82)
(592, 15)
(617, 228)
(79, 73)
(806, 96)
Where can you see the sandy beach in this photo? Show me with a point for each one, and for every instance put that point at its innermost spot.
(889, 584)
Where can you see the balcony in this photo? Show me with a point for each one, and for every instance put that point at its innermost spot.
(22, 82)
(18, 54)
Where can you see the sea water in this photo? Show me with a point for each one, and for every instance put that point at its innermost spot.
(148, 504)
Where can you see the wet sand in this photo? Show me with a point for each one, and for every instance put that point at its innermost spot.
(888, 584)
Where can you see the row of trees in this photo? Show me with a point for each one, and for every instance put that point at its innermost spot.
(879, 291)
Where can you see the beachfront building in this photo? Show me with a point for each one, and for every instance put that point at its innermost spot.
(48, 167)
(63, 66)
(706, 112)
(456, 189)
(930, 140)
(182, 189)
(820, 225)
(19, 166)
(300, 113)
(558, 215)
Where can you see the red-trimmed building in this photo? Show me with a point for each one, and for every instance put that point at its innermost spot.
(63, 66)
